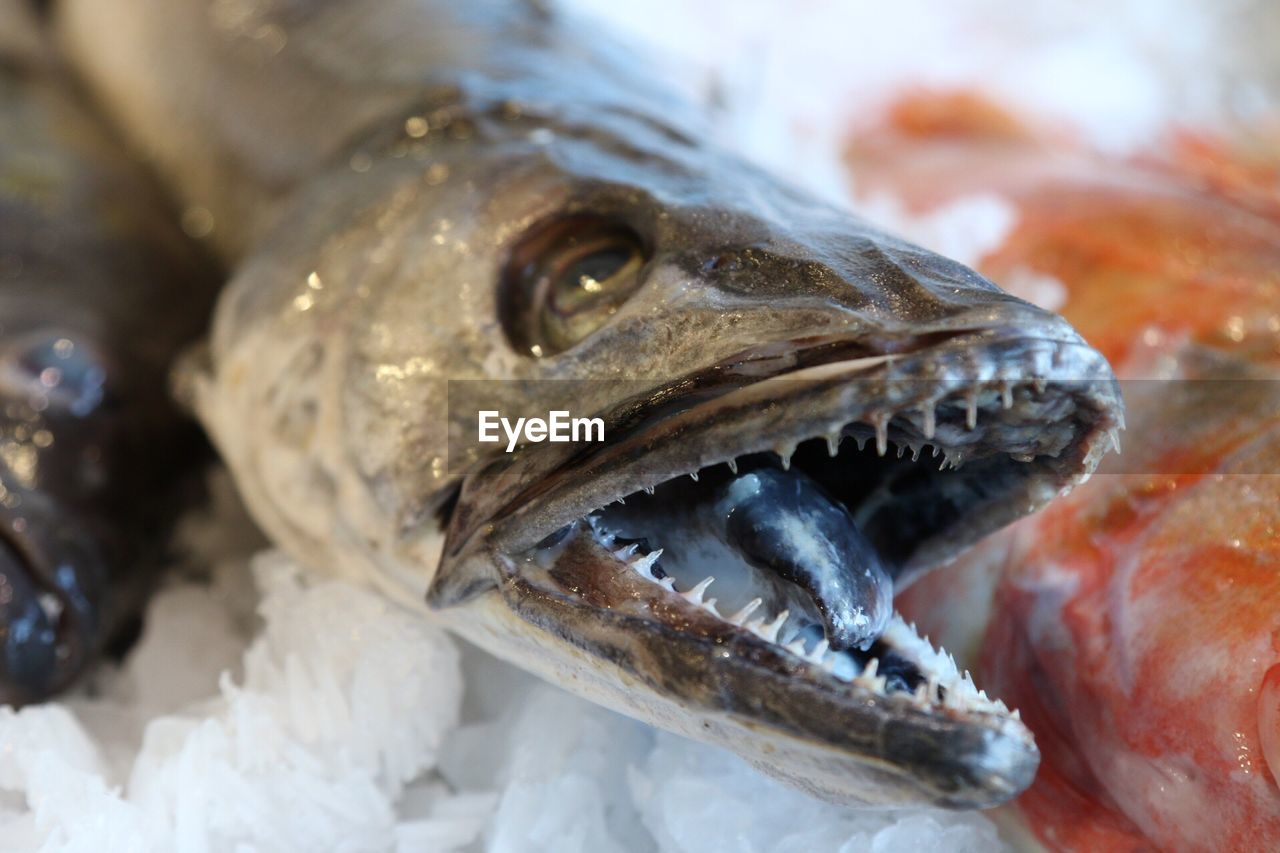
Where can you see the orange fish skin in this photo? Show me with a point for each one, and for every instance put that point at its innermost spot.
(1136, 622)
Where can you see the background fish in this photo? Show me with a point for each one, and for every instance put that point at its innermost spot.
(1135, 622)
(98, 290)
(414, 194)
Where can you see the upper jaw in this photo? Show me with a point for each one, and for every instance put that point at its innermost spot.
(1054, 405)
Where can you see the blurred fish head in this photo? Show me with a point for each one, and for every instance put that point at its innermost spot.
(746, 349)
(59, 435)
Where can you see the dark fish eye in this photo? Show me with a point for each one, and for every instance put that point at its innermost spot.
(565, 279)
(56, 368)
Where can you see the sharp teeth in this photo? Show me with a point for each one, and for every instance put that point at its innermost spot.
(733, 465)
(868, 678)
(1016, 714)
(710, 606)
(921, 696)
(833, 443)
(693, 475)
(915, 452)
(882, 433)
(741, 616)
(784, 453)
(930, 423)
(668, 583)
(626, 553)
(645, 564)
(622, 501)
(648, 490)
(770, 631)
(1006, 394)
(820, 651)
(901, 450)
(1115, 440)
(936, 451)
(971, 409)
(796, 647)
(862, 442)
(694, 596)
(1039, 385)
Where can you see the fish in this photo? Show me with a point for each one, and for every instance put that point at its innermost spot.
(434, 210)
(95, 458)
(1136, 623)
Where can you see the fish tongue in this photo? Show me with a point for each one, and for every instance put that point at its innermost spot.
(783, 522)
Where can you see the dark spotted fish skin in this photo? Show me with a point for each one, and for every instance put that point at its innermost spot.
(99, 289)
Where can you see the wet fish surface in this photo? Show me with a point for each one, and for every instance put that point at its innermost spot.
(433, 209)
(93, 454)
(1135, 622)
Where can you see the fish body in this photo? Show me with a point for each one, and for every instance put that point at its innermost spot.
(436, 209)
(1135, 622)
(92, 451)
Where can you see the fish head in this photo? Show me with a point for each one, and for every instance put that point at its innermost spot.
(78, 454)
(711, 318)
(53, 570)
(91, 447)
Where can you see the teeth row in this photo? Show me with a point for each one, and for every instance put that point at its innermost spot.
(768, 630)
(880, 423)
(960, 691)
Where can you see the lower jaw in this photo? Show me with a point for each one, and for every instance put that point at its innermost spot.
(702, 678)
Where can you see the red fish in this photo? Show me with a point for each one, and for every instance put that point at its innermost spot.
(1135, 623)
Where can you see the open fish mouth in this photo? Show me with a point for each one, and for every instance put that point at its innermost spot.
(735, 544)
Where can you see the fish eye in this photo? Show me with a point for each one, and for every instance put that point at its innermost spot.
(55, 368)
(566, 279)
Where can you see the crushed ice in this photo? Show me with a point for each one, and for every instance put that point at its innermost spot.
(266, 708)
